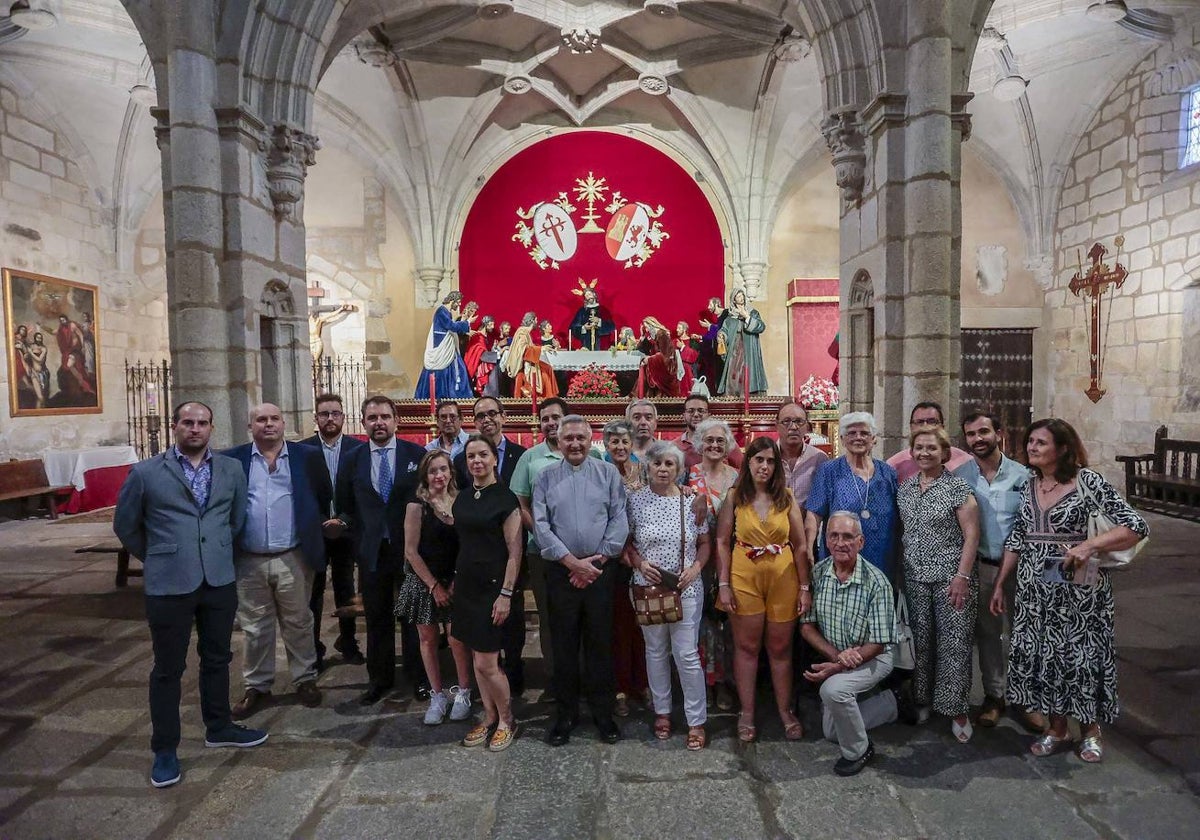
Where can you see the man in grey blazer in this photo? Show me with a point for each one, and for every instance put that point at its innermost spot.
(181, 513)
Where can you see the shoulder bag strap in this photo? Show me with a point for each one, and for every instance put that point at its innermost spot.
(682, 533)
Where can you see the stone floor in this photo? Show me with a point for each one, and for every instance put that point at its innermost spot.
(74, 654)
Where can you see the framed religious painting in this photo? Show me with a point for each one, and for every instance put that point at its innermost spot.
(53, 345)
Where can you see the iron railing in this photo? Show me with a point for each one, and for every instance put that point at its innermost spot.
(148, 406)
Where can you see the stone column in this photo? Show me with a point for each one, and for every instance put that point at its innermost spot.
(233, 193)
(190, 146)
(897, 162)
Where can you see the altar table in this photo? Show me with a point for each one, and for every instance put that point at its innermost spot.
(96, 473)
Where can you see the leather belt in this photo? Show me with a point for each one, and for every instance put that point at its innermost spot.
(988, 560)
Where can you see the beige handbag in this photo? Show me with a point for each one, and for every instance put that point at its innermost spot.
(662, 604)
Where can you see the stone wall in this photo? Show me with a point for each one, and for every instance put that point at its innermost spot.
(1116, 185)
(43, 190)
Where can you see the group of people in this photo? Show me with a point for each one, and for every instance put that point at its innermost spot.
(467, 354)
(760, 542)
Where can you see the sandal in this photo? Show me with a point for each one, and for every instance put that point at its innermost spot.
(697, 738)
(962, 732)
(793, 731)
(1091, 749)
(478, 735)
(662, 727)
(502, 738)
(1049, 744)
(746, 732)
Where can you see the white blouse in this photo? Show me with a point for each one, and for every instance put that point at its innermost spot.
(654, 521)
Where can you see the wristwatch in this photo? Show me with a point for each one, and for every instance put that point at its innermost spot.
(804, 587)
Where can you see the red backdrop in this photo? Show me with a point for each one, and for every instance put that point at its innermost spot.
(674, 284)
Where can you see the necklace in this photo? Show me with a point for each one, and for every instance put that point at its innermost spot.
(865, 497)
(1053, 486)
(479, 489)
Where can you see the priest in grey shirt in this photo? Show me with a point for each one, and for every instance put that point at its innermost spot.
(581, 525)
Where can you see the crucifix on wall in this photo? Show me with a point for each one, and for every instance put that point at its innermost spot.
(1099, 279)
(320, 317)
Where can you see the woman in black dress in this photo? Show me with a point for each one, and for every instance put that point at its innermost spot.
(430, 552)
(487, 519)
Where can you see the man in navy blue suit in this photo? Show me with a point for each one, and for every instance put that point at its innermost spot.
(372, 496)
(281, 549)
(337, 449)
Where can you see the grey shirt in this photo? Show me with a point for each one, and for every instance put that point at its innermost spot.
(580, 510)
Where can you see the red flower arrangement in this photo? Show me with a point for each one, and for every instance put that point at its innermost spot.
(818, 393)
(593, 381)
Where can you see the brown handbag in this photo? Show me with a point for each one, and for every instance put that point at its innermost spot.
(661, 604)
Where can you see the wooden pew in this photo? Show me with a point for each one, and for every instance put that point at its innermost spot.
(27, 480)
(1166, 480)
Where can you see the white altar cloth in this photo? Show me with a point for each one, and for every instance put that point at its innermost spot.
(579, 359)
(68, 466)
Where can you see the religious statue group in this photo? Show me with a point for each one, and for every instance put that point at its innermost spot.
(469, 355)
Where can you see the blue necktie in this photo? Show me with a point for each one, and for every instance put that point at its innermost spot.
(385, 474)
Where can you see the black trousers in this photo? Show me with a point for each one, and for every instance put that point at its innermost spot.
(582, 616)
(212, 609)
(379, 603)
(340, 555)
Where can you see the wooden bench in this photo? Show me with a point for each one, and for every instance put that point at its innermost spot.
(27, 480)
(1167, 480)
(114, 547)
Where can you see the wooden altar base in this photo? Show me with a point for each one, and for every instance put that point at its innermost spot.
(415, 421)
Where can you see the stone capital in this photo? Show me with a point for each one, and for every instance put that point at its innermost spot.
(959, 116)
(162, 127)
(289, 154)
(843, 131)
(749, 275)
(429, 285)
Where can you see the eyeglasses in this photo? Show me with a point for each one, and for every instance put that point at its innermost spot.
(857, 433)
(330, 415)
(928, 421)
(792, 423)
(487, 415)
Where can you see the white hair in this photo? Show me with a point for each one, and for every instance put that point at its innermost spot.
(709, 424)
(857, 418)
(847, 515)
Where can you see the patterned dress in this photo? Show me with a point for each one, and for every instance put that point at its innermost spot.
(836, 487)
(1062, 659)
(933, 547)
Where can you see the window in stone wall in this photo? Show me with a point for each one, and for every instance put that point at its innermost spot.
(1191, 128)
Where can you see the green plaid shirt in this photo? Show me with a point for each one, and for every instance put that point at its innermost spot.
(857, 612)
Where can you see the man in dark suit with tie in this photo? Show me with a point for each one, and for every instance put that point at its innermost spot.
(489, 422)
(180, 512)
(281, 550)
(373, 494)
(337, 449)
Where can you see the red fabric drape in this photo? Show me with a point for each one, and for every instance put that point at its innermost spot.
(673, 284)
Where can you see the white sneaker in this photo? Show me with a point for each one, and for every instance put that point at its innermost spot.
(437, 708)
(461, 710)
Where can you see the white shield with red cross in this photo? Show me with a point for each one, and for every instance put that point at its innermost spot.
(627, 232)
(555, 232)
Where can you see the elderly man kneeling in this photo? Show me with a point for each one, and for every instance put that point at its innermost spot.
(852, 624)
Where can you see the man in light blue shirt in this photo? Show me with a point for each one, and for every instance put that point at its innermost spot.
(998, 482)
(281, 550)
(451, 436)
(581, 526)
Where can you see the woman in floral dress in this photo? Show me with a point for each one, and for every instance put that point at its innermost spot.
(1062, 660)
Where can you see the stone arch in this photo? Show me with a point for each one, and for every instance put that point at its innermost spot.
(858, 344)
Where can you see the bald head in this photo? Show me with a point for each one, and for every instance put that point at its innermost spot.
(266, 426)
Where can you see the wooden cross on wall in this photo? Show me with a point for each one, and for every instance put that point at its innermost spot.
(1093, 284)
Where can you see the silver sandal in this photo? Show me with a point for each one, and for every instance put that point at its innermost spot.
(1049, 745)
(1091, 746)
